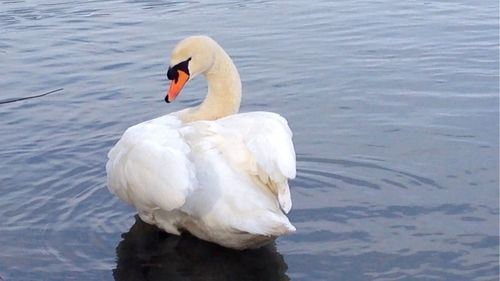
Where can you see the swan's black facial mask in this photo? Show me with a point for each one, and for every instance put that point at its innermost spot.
(179, 75)
(172, 73)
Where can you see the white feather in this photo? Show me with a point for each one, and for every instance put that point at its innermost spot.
(202, 176)
(149, 168)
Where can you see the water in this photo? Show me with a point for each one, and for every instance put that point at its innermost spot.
(393, 104)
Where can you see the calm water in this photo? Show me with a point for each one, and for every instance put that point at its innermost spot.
(394, 106)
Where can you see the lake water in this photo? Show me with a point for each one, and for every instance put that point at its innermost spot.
(393, 104)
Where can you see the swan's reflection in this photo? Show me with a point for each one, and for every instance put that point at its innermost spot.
(147, 253)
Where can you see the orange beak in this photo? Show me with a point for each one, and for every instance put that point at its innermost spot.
(176, 86)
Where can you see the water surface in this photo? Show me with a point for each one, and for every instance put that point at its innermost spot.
(393, 104)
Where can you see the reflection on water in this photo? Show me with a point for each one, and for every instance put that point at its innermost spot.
(147, 253)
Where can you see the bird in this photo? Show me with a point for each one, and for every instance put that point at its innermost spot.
(208, 170)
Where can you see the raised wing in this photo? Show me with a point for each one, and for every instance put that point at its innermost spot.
(268, 140)
(149, 168)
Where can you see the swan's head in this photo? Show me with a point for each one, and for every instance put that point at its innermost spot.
(191, 56)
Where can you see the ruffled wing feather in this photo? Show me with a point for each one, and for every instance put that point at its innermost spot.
(149, 167)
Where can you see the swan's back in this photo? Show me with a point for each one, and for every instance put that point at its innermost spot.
(224, 181)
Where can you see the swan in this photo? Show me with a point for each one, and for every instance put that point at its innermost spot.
(211, 171)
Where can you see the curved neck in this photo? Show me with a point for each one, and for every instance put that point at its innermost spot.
(224, 91)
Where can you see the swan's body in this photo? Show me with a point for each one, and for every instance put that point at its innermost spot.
(221, 176)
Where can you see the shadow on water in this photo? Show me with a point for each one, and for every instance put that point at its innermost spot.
(147, 253)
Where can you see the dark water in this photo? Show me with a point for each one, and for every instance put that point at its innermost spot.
(394, 106)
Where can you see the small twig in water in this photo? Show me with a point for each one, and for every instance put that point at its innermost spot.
(30, 97)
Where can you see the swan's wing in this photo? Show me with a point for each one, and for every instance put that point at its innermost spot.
(149, 168)
(268, 140)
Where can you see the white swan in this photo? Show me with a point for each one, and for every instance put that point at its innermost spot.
(219, 175)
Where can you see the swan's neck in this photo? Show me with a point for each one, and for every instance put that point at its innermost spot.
(224, 91)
